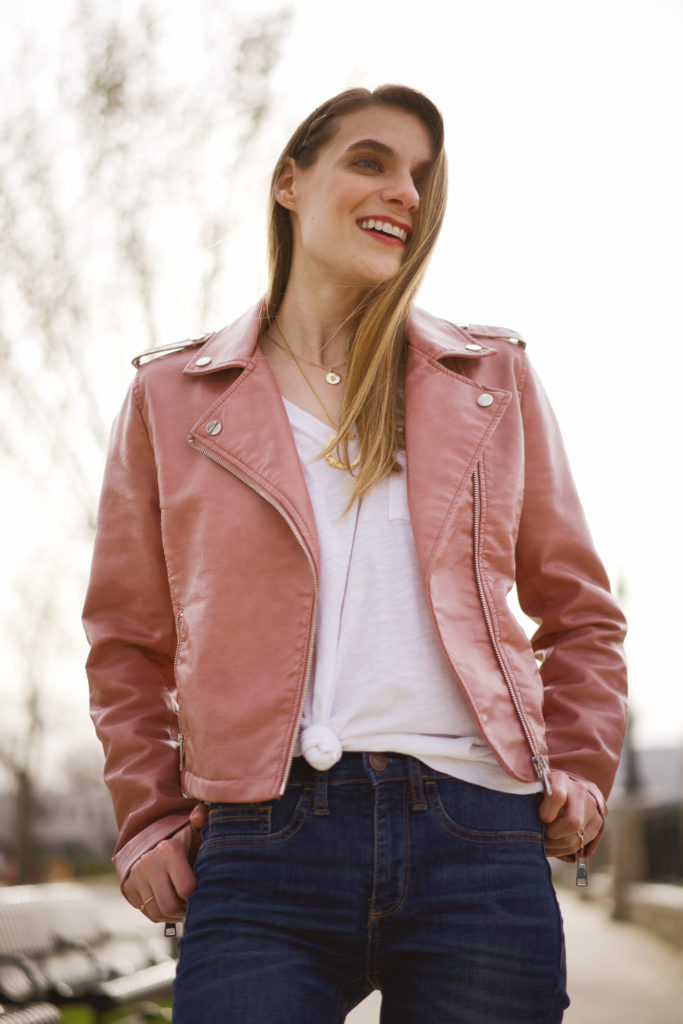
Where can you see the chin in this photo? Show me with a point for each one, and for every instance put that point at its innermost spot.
(375, 276)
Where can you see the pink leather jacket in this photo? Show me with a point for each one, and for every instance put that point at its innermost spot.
(201, 608)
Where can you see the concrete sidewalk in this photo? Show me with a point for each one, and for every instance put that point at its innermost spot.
(618, 973)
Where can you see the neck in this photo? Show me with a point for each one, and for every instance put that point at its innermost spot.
(314, 322)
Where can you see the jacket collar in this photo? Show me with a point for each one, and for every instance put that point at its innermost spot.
(438, 339)
(235, 345)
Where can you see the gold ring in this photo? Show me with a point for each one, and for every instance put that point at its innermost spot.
(149, 900)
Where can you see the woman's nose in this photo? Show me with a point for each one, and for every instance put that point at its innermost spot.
(404, 191)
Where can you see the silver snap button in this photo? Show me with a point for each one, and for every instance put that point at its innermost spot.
(485, 400)
(473, 347)
(214, 427)
(204, 361)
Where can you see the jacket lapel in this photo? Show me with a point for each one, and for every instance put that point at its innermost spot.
(247, 428)
(449, 422)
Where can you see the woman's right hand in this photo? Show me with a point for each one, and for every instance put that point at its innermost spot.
(160, 882)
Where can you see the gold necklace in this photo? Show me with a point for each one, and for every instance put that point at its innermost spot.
(332, 377)
(329, 458)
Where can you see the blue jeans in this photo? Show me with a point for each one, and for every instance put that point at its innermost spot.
(379, 873)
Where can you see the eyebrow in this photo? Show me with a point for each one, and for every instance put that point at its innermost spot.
(379, 147)
(383, 149)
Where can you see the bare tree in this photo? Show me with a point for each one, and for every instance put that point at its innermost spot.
(116, 165)
(25, 723)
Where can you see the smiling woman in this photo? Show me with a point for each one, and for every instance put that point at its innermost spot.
(362, 156)
(331, 747)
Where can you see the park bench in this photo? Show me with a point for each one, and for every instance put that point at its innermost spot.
(32, 1013)
(70, 943)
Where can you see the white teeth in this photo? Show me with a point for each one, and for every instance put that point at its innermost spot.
(385, 227)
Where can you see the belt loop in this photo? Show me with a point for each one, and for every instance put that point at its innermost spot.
(417, 794)
(320, 794)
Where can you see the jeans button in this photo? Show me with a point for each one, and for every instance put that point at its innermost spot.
(378, 762)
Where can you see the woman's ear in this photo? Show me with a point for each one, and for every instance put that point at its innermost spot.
(285, 191)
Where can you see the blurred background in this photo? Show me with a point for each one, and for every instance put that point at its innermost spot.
(136, 143)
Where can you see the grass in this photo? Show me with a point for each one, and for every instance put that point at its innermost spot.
(78, 1014)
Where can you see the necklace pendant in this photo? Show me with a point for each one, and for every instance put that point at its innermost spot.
(332, 377)
(336, 463)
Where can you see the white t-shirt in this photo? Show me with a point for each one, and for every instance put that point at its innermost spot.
(380, 680)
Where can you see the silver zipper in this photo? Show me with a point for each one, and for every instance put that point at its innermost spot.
(181, 737)
(539, 762)
(178, 620)
(290, 522)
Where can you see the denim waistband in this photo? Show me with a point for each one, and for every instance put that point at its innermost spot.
(371, 768)
(374, 769)
(357, 766)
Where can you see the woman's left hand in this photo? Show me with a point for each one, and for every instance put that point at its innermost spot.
(572, 818)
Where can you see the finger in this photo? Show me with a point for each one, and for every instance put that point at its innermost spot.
(173, 909)
(162, 880)
(579, 816)
(553, 803)
(147, 903)
(131, 892)
(567, 847)
(199, 815)
(576, 826)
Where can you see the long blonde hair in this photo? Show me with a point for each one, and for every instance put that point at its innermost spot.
(373, 397)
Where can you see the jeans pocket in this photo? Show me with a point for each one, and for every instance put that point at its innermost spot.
(257, 824)
(477, 815)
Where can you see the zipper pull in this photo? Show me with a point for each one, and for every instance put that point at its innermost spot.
(543, 772)
(581, 865)
(181, 760)
(581, 870)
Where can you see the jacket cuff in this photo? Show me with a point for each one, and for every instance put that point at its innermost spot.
(125, 857)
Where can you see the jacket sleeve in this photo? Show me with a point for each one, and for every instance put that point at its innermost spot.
(562, 585)
(130, 624)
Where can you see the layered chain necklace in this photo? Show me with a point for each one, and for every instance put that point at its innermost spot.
(332, 377)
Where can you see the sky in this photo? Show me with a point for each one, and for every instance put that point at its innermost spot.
(565, 223)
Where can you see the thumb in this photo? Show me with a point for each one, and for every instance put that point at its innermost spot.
(199, 815)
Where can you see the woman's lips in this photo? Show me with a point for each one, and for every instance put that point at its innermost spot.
(385, 230)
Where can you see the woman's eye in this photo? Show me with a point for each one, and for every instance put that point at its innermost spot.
(369, 163)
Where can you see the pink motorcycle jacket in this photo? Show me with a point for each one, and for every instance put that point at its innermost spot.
(203, 595)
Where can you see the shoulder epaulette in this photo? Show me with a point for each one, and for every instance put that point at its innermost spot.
(502, 333)
(167, 350)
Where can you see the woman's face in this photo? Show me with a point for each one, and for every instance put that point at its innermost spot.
(353, 209)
